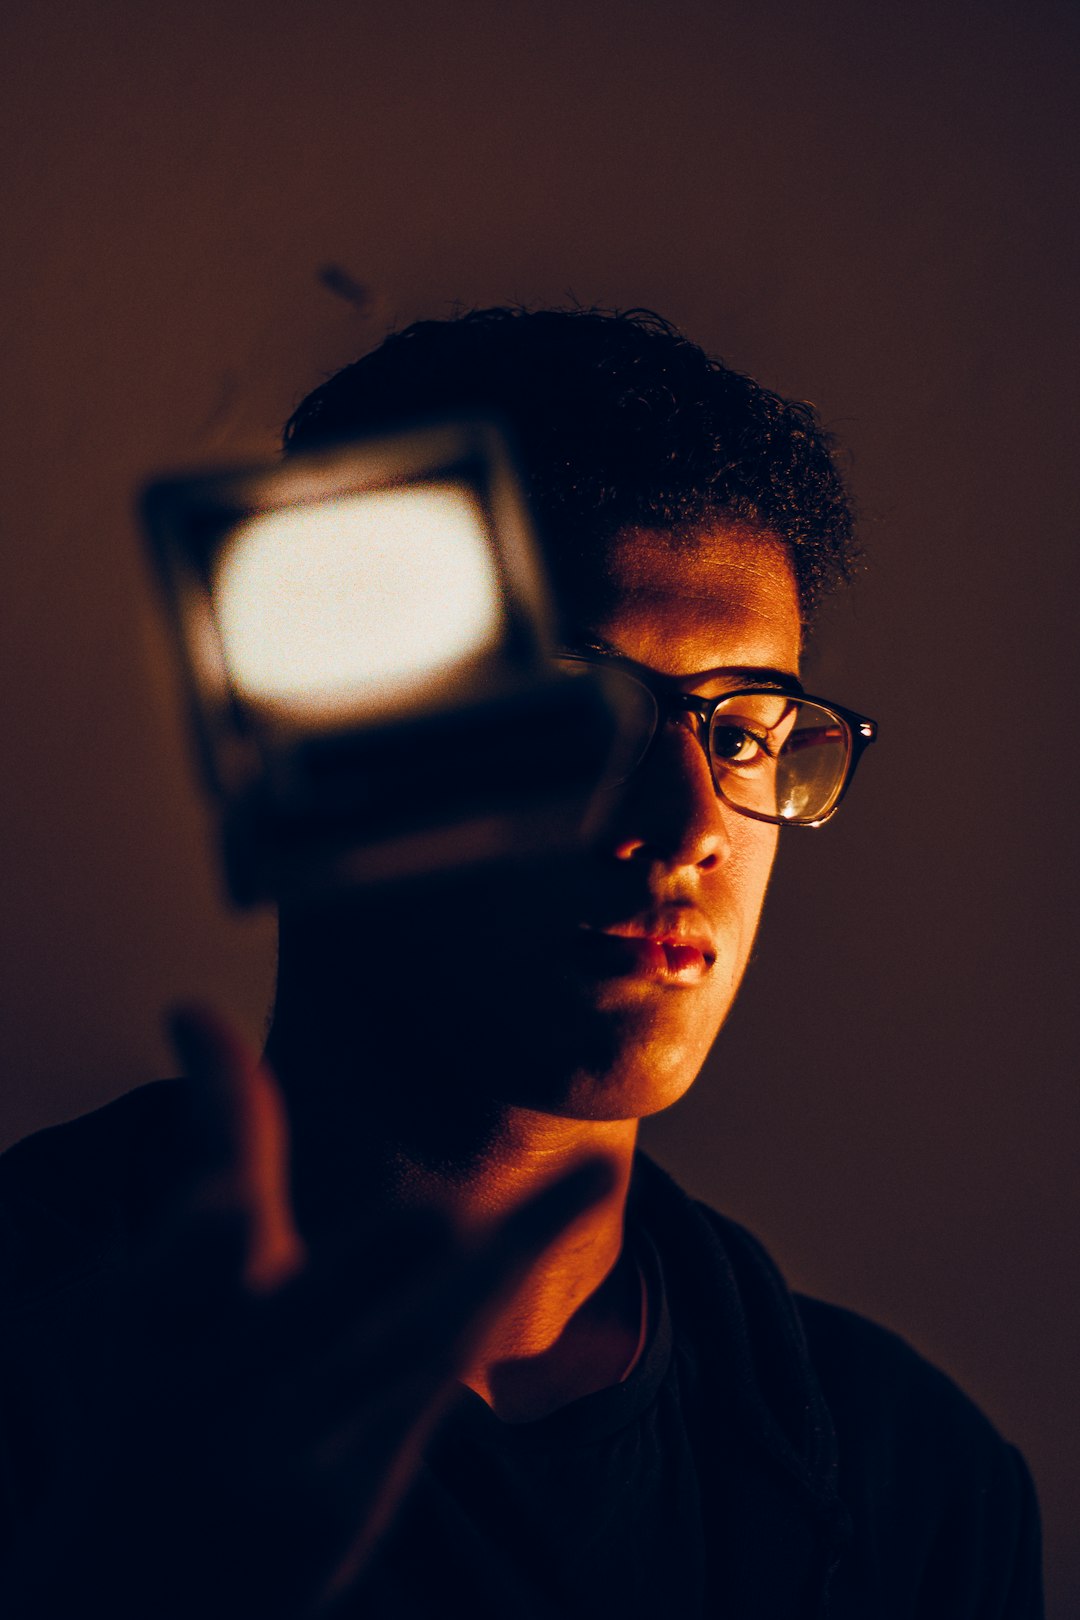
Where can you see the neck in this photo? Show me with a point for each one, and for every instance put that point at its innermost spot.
(378, 1133)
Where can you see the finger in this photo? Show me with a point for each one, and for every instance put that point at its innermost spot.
(246, 1135)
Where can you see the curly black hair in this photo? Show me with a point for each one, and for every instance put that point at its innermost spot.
(620, 422)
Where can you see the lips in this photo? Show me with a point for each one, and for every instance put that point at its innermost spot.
(669, 947)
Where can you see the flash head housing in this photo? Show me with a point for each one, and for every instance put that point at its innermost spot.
(364, 636)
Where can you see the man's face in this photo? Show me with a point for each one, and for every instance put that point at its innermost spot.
(670, 899)
(597, 993)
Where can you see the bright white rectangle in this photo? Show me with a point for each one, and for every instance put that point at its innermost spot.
(353, 607)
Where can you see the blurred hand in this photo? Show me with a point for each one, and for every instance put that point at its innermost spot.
(271, 1404)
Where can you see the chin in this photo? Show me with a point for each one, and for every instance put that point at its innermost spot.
(620, 1096)
(628, 1074)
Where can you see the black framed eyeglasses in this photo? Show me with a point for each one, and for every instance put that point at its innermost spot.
(776, 753)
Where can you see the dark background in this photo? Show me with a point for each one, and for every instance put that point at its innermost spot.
(872, 207)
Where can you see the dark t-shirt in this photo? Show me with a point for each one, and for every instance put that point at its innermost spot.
(768, 1456)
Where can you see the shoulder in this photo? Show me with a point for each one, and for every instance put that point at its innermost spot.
(864, 1365)
(73, 1195)
(875, 1383)
(932, 1487)
(878, 1387)
(942, 1509)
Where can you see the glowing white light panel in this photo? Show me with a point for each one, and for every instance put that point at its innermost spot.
(357, 605)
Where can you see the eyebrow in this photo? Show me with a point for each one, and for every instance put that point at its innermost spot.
(784, 680)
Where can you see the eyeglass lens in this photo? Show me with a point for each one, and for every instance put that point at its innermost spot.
(778, 756)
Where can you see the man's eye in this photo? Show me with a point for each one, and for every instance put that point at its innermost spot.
(734, 745)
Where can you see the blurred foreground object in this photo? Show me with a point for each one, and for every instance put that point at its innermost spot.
(364, 636)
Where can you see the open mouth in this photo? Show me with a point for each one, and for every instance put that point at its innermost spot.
(662, 959)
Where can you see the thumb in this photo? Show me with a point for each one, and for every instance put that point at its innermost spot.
(246, 1131)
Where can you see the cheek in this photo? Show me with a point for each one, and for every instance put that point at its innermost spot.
(746, 872)
(758, 860)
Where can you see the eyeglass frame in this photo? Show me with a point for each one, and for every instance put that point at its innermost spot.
(859, 729)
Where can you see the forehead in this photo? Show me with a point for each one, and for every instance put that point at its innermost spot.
(685, 604)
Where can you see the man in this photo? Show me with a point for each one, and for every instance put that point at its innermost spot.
(466, 1352)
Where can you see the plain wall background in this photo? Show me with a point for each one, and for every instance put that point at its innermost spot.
(872, 207)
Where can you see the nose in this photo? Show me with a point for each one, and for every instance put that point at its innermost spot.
(669, 811)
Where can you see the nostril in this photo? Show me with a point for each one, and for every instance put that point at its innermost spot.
(708, 863)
